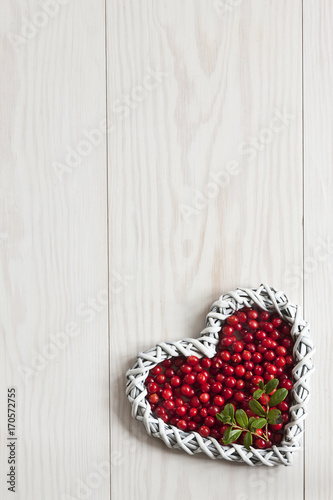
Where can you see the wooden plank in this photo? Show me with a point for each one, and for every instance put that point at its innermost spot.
(54, 337)
(205, 189)
(318, 231)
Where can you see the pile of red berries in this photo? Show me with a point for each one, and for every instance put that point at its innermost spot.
(188, 392)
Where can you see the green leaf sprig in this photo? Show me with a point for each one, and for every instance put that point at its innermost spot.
(239, 422)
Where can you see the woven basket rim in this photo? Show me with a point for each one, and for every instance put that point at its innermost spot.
(269, 299)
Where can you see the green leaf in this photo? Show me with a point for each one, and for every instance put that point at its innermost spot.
(242, 419)
(271, 385)
(256, 407)
(223, 418)
(258, 423)
(278, 396)
(251, 419)
(273, 415)
(231, 435)
(248, 440)
(261, 385)
(258, 393)
(229, 411)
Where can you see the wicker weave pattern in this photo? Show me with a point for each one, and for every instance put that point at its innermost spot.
(268, 299)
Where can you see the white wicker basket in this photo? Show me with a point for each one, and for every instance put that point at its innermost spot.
(268, 299)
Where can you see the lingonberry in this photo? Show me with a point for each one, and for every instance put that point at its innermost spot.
(182, 425)
(260, 443)
(225, 355)
(271, 369)
(218, 400)
(153, 398)
(256, 357)
(239, 370)
(280, 361)
(189, 378)
(239, 396)
(242, 317)
(216, 387)
(230, 382)
(253, 324)
(240, 384)
(248, 338)
(169, 404)
(236, 358)
(246, 355)
(276, 427)
(258, 370)
(232, 320)
(252, 314)
(206, 363)
(269, 355)
(192, 360)
(169, 373)
(228, 370)
(204, 397)
(156, 370)
(204, 431)
(237, 346)
(228, 330)
(209, 421)
(260, 335)
(286, 384)
(264, 316)
(227, 393)
(276, 322)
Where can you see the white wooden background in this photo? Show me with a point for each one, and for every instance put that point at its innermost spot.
(215, 171)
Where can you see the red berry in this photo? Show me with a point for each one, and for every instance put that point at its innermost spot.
(236, 358)
(248, 337)
(286, 384)
(287, 343)
(283, 406)
(276, 322)
(269, 355)
(218, 400)
(240, 384)
(239, 396)
(260, 443)
(228, 370)
(195, 401)
(248, 365)
(169, 404)
(280, 350)
(268, 327)
(227, 393)
(185, 368)
(204, 431)
(242, 317)
(264, 316)
(252, 314)
(204, 397)
(227, 341)
(239, 371)
(258, 370)
(276, 427)
(206, 363)
(256, 357)
(175, 381)
(169, 373)
(256, 379)
(253, 324)
(152, 387)
(182, 425)
(237, 346)
(181, 410)
(216, 387)
(192, 426)
(228, 330)
(246, 355)
(260, 335)
(225, 355)
(153, 398)
(209, 421)
(271, 369)
(230, 382)
(156, 370)
(192, 360)
(186, 390)
(289, 360)
(167, 363)
(280, 361)
(232, 320)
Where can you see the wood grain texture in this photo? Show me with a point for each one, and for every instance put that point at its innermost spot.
(53, 247)
(318, 254)
(205, 194)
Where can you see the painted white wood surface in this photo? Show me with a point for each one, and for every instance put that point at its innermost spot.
(226, 78)
(195, 189)
(318, 249)
(53, 248)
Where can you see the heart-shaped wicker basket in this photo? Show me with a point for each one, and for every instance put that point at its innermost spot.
(268, 299)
